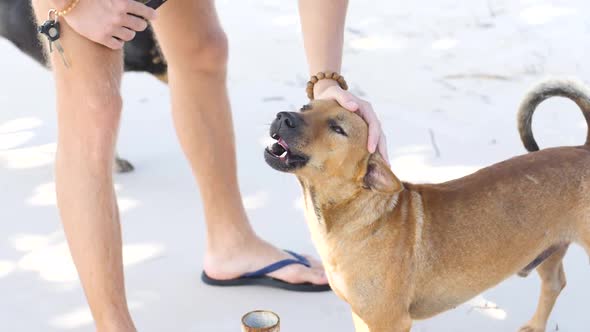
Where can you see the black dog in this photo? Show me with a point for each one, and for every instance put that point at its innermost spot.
(17, 24)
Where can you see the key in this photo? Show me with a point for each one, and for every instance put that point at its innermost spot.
(50, 29)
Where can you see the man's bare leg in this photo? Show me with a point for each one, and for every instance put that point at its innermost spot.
(195, 47)
(88, 107)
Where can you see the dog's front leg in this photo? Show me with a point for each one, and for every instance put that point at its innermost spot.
(403, 325)
(359, 324)
(384, 322)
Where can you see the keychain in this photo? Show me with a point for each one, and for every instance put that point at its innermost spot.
(50, 29)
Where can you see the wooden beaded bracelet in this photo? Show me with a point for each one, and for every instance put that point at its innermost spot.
(327, 75)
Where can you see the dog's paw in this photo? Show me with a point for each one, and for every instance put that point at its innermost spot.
(531, 328)
(123, 166)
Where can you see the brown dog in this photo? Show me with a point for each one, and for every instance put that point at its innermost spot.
(399, 251)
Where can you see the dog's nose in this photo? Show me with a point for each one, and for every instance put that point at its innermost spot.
(289, 119)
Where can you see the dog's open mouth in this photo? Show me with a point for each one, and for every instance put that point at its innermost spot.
(280, 149)
(280, 157)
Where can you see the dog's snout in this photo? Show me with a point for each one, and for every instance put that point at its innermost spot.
(289, 119)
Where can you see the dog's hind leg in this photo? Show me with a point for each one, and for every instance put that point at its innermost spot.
(552, 282)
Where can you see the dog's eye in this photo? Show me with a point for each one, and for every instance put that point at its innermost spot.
(337, 129)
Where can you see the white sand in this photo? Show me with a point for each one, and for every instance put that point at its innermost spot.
(399, 55)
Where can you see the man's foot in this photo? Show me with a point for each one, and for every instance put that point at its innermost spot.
(246, 256)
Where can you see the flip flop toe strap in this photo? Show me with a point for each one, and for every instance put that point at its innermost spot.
(297, 259)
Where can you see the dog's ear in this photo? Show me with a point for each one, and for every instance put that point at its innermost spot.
(379, 177)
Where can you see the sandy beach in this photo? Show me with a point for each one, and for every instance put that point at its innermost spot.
(446, 78)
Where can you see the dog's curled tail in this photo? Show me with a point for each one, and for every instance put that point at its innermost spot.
(571, 89)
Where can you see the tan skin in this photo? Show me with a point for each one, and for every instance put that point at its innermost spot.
(88, 112)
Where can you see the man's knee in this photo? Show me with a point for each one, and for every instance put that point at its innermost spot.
(208, 53)
(89, 132)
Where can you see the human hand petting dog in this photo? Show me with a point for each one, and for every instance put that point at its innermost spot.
(329, 89)
(322, 25)
(108, 22)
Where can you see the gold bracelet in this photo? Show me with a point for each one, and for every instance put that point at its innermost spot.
(327, 75)
(68, 9)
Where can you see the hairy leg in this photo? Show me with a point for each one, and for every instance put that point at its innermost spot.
(195, 47)
(552, 282)
(88, 111)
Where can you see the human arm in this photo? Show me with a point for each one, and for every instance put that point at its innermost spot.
(322, 24)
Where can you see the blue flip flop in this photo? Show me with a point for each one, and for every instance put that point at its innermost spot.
(260, 278)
